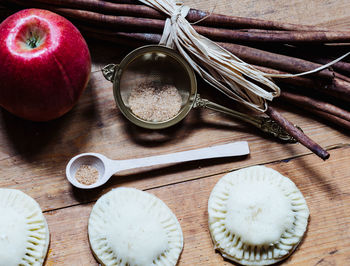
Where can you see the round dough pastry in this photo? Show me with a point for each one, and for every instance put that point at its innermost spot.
(256, 216)
(131, 227)
(24, 234)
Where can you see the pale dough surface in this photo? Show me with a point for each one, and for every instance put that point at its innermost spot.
(131, 227)
(256, 216)
(24, 234)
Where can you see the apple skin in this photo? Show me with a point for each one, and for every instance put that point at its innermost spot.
(44, 82)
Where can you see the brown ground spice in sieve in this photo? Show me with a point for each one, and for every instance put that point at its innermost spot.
(86, 175)
(153, 102)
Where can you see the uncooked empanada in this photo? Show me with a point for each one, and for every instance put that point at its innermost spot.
(24, 235)
(256, 216)
(131, 227)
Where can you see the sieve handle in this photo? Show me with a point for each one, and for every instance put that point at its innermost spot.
(265, 124)
(109, 71)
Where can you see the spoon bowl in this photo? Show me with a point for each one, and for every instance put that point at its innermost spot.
(95, 160)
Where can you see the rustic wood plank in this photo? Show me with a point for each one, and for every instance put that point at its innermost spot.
(33, 155)
(326, 188)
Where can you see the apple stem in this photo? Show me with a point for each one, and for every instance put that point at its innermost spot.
(32, 41)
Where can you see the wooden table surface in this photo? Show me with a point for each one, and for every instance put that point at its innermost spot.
(33, 156)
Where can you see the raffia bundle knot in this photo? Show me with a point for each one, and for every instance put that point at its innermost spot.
(217, 66)
(180, 10)
(169, 33)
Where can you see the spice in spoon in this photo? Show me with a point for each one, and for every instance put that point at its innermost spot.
(86, 174)
(155, 102)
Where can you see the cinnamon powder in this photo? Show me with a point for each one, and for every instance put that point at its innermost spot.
(155, 102)
(86, 175)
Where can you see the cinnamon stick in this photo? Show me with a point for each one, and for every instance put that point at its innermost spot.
(224, 21)
(290, 37)
(344, 124)
(337, 88)
(132, 39)
(297, 133)
(304, 101)
(218, 34)
(343, 67)
(137, 9)
(322, 58)
(276, 61)
(317, 54)
(105, 7)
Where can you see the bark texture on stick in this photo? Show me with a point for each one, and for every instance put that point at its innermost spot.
(305, 101)
(337, 88)
(297, 133)
(343, 124)
(275, 61)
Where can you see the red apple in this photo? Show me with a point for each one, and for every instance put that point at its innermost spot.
(44, 65)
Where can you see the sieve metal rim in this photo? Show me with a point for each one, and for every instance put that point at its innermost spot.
(130, 58)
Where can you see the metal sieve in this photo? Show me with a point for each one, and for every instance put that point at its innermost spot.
(162, 65)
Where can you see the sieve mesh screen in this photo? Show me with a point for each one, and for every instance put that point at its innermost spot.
(154, 68)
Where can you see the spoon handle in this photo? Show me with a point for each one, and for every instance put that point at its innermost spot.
(226, 150)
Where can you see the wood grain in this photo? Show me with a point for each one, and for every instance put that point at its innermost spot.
(33, 155)
(326, 187)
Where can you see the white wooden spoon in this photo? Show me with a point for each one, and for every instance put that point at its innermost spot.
(107, 167)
